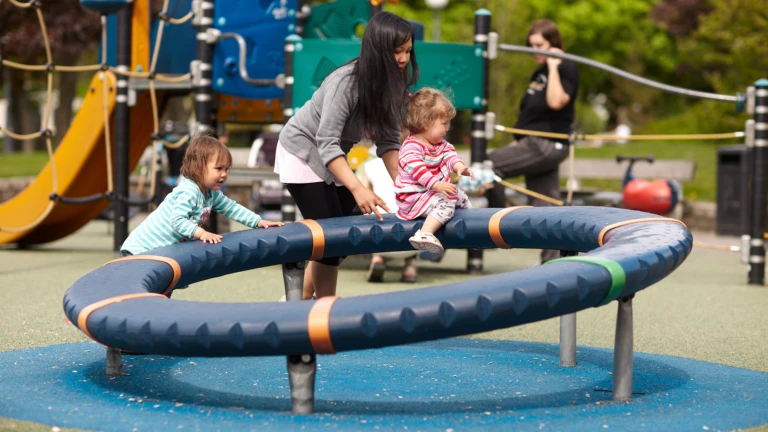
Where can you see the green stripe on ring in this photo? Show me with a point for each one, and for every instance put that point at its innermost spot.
(618, 277)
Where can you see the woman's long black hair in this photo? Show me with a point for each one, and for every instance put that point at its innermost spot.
(382, 87)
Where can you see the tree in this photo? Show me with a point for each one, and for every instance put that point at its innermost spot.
(71, 32)
(681, 17)
(728, 58)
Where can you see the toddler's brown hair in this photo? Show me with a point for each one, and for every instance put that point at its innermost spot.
(199, 152)
(426, 106)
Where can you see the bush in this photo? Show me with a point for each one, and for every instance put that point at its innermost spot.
(587, 119)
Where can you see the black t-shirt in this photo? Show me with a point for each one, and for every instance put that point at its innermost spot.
(535, 114)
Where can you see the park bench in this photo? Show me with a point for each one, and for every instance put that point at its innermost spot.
(677, 170)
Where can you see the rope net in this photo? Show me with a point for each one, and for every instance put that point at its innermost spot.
(49, 68)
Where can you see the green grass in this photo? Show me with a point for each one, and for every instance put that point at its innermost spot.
(22, 164)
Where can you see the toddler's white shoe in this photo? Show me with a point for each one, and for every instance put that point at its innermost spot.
(427, 242)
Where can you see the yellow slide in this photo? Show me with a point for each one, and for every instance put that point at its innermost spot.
(81, 170)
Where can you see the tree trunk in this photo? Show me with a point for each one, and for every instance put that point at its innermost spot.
(9, 144)
(23, 119)
(63, 116)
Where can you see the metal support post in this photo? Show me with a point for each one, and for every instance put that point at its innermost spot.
(122, 127)
(301, 376)
(303, 13)
(623, 352)
(114, 362)
(479, 141)
(287, 206)
(568, 331)
(756, 242)
(303, 367)
(746, 186)
(293, 279)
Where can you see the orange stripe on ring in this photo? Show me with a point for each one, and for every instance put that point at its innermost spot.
(605, 230)
(318, 325)
(82, 317)
(171, 262)
(318, 238)
(494, 226)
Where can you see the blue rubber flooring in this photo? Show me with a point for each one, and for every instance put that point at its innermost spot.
(456, 384)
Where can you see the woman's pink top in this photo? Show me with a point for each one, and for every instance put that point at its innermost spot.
(294, 170)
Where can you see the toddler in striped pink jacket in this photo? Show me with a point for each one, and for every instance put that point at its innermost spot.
(423, 185)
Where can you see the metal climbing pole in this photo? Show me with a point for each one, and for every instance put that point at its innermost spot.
(375, 9)
(202, 72)
(759, 190)
(201, 67)
(746, 178)
(301, 368)
(479, 141)
(122, 127)
(287, 204)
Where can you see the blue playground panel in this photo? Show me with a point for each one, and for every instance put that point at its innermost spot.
(178, 45)
(633, 257)
(105, 6)
(264, 25)
(111, 41)
(457, 68)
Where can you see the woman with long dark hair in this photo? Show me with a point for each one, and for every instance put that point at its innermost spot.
(363, 98)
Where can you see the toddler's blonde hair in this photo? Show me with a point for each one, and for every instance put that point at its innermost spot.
(426, 106)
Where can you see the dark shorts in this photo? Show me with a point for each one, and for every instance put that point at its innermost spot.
(323, 201)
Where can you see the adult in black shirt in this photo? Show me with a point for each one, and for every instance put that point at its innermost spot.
(547, 106)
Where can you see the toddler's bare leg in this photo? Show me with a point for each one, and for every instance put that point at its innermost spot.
(431, 225)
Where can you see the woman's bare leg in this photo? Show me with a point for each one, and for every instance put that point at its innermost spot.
(309, 287)
(320, 280)
(324, 278)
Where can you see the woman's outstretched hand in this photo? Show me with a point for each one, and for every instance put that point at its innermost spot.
(367, 201)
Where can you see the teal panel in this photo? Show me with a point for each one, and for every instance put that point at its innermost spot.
(454, 68)
(338, 19)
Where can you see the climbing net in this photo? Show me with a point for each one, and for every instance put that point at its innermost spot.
(104, 69)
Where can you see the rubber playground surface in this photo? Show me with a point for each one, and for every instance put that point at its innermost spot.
(701, 358)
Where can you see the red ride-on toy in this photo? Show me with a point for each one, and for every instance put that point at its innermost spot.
(658, 196)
